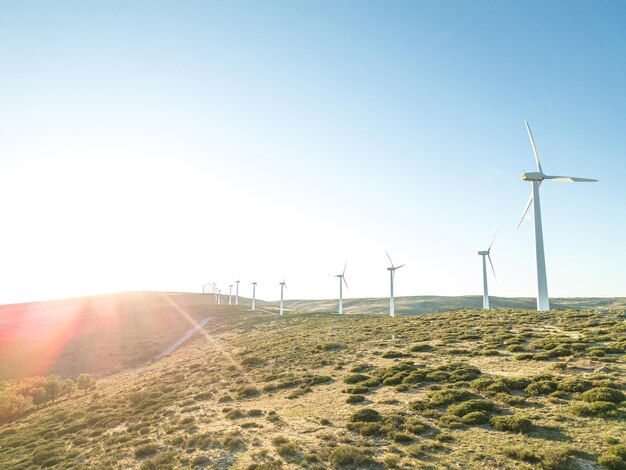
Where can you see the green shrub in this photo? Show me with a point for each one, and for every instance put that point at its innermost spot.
(512, 423)
(421, 347)
(248, 392)
(470, 406)
(450, 395)
(393, 354)
(365, 429)
(366, 415)
(145, 450)
(543, 387)
(603, 394)
(355, 399)
(438, 376)
(573, 385)
(524, 357)
(521, 453)
(482, 383)
(402, 437)
(612, 462)
(357, 389)
(345, 455)
(475, 417)
(355, 378)
(556, 458)
(595, 408)
(288, 449)
(417, 376)
(395, 379)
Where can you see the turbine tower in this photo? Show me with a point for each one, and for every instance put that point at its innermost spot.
(219, 296)
(342, 281)
(253, 296)
(237, 292)
(392, 274)
(282, 303)
(486, 254)
(230, 294)
(536, 178)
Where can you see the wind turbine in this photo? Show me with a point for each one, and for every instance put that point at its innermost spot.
(342, 281)
(237, 292)
(536, 178)
(282, 304)
(254, 296)
(219, 296)
(486, 254)
(230, 294)
(392, 273)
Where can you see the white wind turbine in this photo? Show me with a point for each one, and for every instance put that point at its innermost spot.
(392, 273)
(342, 281)
(230, 294)
(536, 178)
(486, 254)
(282, 303)
(254, 296)
(219, 296)
(237, 292)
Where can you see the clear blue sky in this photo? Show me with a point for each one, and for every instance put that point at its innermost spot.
(160, 145)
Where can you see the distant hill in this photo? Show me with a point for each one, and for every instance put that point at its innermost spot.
(99, 334)
(429, 303)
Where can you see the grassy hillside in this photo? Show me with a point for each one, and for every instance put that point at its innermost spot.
(462, 389)
(98, 335)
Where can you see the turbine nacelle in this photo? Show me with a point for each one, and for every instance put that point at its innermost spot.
(483, 253)
(533, 176)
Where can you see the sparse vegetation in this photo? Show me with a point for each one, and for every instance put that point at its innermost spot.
(306, 391)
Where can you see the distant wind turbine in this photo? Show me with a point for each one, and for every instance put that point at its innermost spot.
(342, 281)
(486, 254)
(230, 294)
(392, 273)
(536, 178)
(237, 292)
(219, 296)
(254, 296)
(282, 303)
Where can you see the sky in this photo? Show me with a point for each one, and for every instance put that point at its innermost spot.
(159, 145)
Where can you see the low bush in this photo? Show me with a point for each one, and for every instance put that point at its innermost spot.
(145, 450)
(543, 387)
(470, 406)
(355, 378)
(366, 415)
(357, 389)
(512, 423)
(393, 354)
(355, 399)
(421, 347)
(614, 458)
(573, 385)
(603, 394)
(345, 455)
(475, 417)
(450, 395)
(521, 453)
(596, 408)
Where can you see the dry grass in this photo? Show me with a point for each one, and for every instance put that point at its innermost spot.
(269, 392)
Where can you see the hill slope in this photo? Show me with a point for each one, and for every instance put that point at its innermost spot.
(465, 389)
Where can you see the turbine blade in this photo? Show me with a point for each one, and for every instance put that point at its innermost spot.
(390, 260)
(344, 268)
(530, 201)
(570, 179)
(345, 282)
(492, 270)
(532, 141)
(492, 240)
(400, 266)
